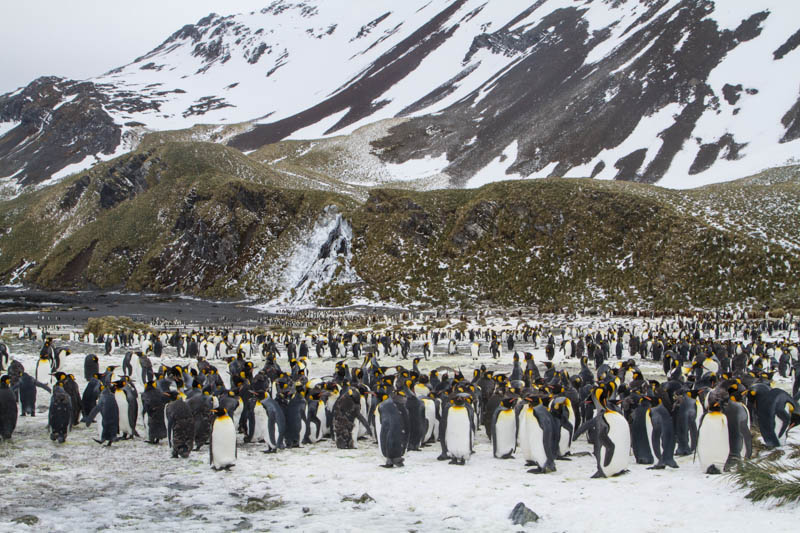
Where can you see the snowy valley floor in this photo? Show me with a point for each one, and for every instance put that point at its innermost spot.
(133, 486)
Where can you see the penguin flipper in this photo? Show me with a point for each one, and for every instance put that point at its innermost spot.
(656, 440)
(610, 447)
(747, 436)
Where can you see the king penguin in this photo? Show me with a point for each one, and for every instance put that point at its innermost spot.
(391, 428)
(222, 449)
(612, 441)
(504, 429)
(458, 429)
(713, 446)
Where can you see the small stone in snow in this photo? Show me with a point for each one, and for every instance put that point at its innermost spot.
(306, 510)
(27, 519)
(21, 465)
(521, 515)
(364, 498)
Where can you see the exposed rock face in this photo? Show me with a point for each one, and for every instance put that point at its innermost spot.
(61, 122)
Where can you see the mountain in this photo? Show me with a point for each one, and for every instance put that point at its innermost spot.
(205, 219)
(434, 93)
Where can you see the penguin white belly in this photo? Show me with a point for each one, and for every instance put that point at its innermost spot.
(505, 433)
(474, 349)
(430, 417)
(260, 426)
(620, 434)
(535, 436)
(223, 443)
(564, 442)
(136, 372)
(780, 431)
(43, 371)
(124, 420)
(457, 435)
(362, 429)
(522, 431)
(713, 446)
(237, 414)
(378, 430)
(648, 422)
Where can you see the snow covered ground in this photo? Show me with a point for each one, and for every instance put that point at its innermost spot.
(134, 486)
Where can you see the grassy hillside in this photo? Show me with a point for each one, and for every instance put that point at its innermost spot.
(204, 219)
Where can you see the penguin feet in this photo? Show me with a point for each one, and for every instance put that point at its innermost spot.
(621, 473)
(580, 454)
(598, 475)
(443, 457)
(387, 465)
(537, 470)
(563, 458)
(530, 463)
(507, 456)
(453, 461)
(657, 467)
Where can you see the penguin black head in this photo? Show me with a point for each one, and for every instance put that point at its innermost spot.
(5, 381)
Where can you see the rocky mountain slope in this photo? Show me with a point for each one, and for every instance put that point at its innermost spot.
(455, 93)
(204, 219)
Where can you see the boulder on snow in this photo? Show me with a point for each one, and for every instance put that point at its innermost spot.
(521, 515)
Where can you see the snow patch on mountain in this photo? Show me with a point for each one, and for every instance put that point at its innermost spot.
(5, 127)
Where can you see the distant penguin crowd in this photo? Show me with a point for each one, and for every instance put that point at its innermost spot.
(713, 390)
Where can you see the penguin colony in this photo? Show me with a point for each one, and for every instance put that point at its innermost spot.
(716, 387)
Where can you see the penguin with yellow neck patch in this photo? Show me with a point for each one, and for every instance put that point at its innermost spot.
(457, 428)
(713, 445)
(222, 447)
(504, 429)
(612, 441)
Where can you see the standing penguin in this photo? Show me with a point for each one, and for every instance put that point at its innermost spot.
(663, 436)
(612, 441)
(687, 417)
(59, 419)
(713, 446)
(71, 388)
(222, 449)
(564, 416)
(8, 409)
(27, 393)
(536, 432)
(642, 432)
(346, 411)
(391, 423)
(276, 425)
(740, 439)
(109, 411)
(43, 364)
(457, 428)
(504, 429)
(295, 413)
(257, 419)
(153, 403)
(201, 405)
(180, 427)
(121, 397)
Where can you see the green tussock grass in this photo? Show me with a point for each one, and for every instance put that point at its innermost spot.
(769, 478)
(114, 324)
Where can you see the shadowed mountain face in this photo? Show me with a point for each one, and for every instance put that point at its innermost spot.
(675, 92)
